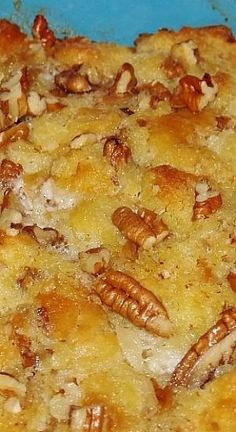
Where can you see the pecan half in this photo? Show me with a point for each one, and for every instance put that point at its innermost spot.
(44, 236)
(115, 151)
(9, 171)
(42, 32)
(95, 261)
(156, 223)
(125, 80)
(206, 201)
(196, 93)
(14, 133)
(71, 81)
(90, 419)
(212, 349)
(232, 279)
(133, 227)
(127, 297)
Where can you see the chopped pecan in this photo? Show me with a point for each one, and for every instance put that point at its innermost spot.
(44, 236)
(125, 80)
(29, 358)
(9, 171)
(224, 122)
(212, 349)
(157, 91)
(95, 261)
(117, 152)
(133, 227)
(90, 419)
(6, 199)
(130, 250)
(25, 79)
(127, 111)
(173, 68)
(127, 297)
(42, 32)
(196, 93)
(232, 279)
(83, 139)
(163, 395)
(206, 201)
(156, 223)
(29, 275)
(14, 133)
(72, 81)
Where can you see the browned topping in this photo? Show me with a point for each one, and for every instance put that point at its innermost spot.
(155, 222)
(44, 236)
(115, 151)
(42, 32)
(9, 171)
(232, 280)
(71, 81)
(14, 133)
(206, 201)
(173, 69)
(95, 261)
(133, 227)
(127, 297)
(219, 341)
(125, 80)
(164, 395)
(196, 93)
(223, 122)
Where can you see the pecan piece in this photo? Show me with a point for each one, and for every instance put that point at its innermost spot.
(133, 227)
(42, 32)
(95, 261)
(125, 80)
(232, 279)
(206, 201)
(127, 297)
(173, 68)
(44, 236)
(90, 419)
(8, 383)
(71, 81)
(224, 122)
(29, 275)
(196, 93)
(6, 200)
(9, 171)
(163, 395)
(156, 224)
(14, 133)
(115, 151)
(212, 349)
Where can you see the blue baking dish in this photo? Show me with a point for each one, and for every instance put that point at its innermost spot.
(120, 20)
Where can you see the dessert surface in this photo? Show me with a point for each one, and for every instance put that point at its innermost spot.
(117, 232)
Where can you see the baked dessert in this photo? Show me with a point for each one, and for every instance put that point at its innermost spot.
(117, 232)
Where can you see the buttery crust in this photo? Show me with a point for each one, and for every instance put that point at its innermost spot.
(89, 129)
